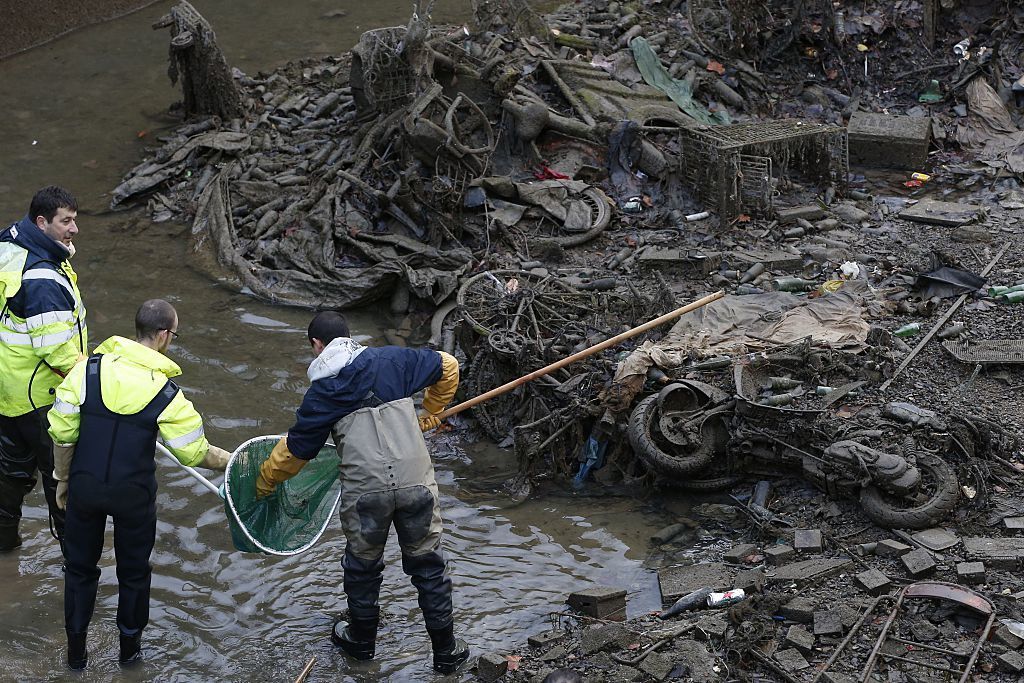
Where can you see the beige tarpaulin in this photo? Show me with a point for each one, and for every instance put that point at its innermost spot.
(989, 129)
(736, 325)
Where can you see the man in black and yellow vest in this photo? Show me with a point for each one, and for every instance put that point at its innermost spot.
(104, 423)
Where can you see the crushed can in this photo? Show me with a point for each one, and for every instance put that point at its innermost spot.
(633, 205)
(726, 598)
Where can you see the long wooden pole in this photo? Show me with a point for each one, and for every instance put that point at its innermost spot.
(505, 388)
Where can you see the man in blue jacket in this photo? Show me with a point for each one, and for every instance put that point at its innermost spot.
(42, 336)
(363, 396)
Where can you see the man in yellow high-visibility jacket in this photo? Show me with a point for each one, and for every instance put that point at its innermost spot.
(105, 422)
(42, 336)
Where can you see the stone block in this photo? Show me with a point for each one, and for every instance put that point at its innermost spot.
(887, 141)
(1012, 662)
(891, 548)
(713, 626)
(996, 553)
(791, 660)
(597, 638)
(554, 654)
(751, 580)
(600, 603)
(935, 212)
(738, 553)
(800, 638)
(970, 572)
(491, 667)
(873, 582)
(677, 581)
(808, 570)
(800, 610)
(828, 622)
(545, 639)
(1008, 638)
(1014, 523)
(779, 554)
(919, 563)
(658, 665)
(808, 541)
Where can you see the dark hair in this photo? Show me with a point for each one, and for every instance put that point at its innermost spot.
(153, 315)
(563, 676)
(327, 326)
(46, 202)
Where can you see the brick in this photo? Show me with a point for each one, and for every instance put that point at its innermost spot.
(919, 563)
(828, 622)
(970, 572)
(888, 141)
(1014, 523)
(891, 548)
(738, 553)
(600, 603)
(808, 541)
(873, 582)
(779, 554)
(546, 638)
(1012, 662)
(597, 638)
(1007, 638)
(491, 667)
(800, 638)
(800, 610)
(791, 660)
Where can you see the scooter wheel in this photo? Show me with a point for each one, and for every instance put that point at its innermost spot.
(937, 496)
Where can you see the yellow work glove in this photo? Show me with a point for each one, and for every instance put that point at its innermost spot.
(438, 394)
(62, 455)
(429, 421)
(62, 495)
(279, 467)
(215, 459)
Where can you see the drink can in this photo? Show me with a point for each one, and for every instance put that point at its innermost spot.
(726, 598)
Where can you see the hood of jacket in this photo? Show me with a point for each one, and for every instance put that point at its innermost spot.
(28, 236)
(335, 357)
(136, 353)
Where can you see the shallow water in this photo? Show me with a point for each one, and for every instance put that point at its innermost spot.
(79, 112)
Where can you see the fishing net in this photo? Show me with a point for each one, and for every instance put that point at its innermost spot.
(294, 516)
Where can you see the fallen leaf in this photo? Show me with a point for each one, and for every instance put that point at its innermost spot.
(743, 218)
(513, 661)
(716, 67)
(633, 646)
(142, 134)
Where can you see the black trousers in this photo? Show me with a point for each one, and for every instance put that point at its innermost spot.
(25, 449)
(133, 508)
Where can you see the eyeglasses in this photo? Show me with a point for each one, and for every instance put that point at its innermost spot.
(173, 333)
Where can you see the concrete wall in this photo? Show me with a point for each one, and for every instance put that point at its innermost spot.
(28, 23)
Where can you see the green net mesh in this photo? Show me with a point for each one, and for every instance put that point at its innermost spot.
(291, 519)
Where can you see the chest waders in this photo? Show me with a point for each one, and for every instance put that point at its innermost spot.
(113, 473)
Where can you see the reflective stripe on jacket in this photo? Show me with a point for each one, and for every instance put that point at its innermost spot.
(131, 375)
(42, 318)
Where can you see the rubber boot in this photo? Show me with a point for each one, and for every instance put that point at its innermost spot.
(9, 537)
(449, 652)
(131, 649)
(358, 638)
(78, 657)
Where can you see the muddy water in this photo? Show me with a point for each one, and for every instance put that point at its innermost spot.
(79, 112)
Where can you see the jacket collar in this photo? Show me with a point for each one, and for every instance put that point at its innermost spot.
(333, 359)
(135, 352)
(27, 235)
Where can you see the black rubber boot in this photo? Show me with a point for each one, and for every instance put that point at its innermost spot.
(449, 652)
(131, 649)
(9, 537)
(78, 657)
(358, 638)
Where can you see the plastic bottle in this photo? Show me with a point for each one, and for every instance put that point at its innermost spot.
(908, 330)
